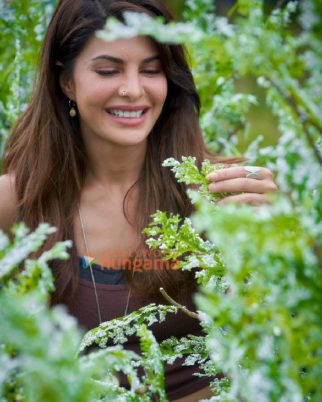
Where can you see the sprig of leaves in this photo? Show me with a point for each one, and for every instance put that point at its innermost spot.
(152, 363)
(142, 24)
(179, 241)
(187, 172)
(119, 329)
(36, 274)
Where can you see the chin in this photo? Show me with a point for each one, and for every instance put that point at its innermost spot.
(131, 138)
(130, 141)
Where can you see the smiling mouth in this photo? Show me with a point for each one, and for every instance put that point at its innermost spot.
(127, 114)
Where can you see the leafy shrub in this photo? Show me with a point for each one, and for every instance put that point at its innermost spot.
(260, 282)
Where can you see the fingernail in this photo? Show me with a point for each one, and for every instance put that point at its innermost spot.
(212, 176)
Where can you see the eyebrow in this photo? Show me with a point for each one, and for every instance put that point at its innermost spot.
(120, 61)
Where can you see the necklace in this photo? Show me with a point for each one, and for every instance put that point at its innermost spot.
(92, 275)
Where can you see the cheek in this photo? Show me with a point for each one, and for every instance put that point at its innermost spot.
(161, 91)
(93, 91)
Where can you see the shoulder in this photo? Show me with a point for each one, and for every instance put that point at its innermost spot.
(8, 202)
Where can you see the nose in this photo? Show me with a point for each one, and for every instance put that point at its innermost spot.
(133, 87)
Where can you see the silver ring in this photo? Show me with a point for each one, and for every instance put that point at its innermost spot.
(253, 172)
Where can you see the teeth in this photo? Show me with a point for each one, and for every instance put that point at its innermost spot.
(126, 114)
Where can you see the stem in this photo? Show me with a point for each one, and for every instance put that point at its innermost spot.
(312, 144)
(293, 105)
(280, 4)
(301, 98)
(230, 136)
(141, 390)
(318, 252)
(179, 306)
(232, 10)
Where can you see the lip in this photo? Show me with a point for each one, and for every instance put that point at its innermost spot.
(129, 108)
(126, 121)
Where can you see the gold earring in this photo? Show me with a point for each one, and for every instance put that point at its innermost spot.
(72, 108)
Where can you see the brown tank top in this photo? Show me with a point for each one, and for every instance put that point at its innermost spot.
(112, 292)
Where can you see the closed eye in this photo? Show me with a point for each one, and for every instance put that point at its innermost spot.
(151, 72)
(114, 72)
(107, 72)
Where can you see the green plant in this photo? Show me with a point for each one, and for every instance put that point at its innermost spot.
(36, 369)
(258, 269)
(22, 26)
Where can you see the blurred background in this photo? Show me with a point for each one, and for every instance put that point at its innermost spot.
(261, 119)
(222, 6)
(16, 58)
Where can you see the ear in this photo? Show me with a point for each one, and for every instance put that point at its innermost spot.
(67, 85)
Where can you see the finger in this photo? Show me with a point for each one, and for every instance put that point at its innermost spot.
(246, 198)
(242, 184)
(237, 171)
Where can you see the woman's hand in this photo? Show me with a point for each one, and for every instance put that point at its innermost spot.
(251, 184)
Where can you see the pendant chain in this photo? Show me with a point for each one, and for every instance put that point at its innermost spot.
(92, 275)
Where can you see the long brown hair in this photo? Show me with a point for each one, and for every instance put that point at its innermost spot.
(46, 154)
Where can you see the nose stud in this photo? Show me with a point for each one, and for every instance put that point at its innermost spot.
(122, 92)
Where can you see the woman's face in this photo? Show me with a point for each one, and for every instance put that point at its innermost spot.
(101, 72)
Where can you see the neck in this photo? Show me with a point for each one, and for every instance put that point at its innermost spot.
(113, 166)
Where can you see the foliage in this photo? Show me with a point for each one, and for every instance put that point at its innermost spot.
(22, 26)
(266, 332)
(187, 172)
(174, 32)
(258, 269)
(179, 241)
(264, 301)
(33, 369)
(119, 329)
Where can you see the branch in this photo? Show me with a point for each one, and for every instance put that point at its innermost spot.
(285, 96)
(312, 143)
(318, 253)
(179, 306)
(230, 136)
(280, 4)
(292, 100)
(294, 106)
(232, 10)
(300, 97)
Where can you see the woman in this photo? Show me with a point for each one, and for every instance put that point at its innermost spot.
(86, 157)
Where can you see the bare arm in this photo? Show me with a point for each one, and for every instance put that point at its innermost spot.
(8, 203)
